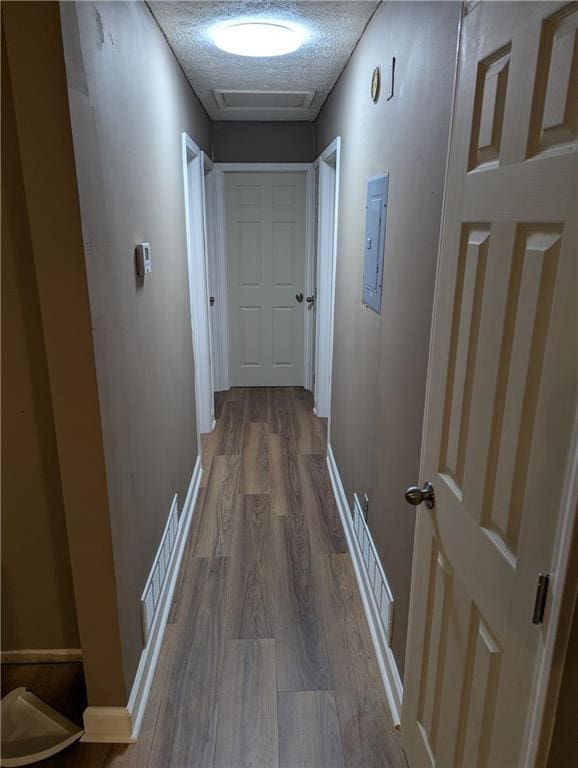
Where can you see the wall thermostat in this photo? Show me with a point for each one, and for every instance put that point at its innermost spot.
(143, 259)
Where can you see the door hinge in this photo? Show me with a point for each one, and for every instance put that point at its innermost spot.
(541, 595)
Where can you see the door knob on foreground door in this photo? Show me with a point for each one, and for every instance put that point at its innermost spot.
(299, 297)
(310, 299)
(416, 495)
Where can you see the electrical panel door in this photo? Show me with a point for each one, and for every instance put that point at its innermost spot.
(374, 242)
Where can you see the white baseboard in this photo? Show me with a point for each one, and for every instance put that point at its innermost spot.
(121, 725)
(385, 658)
(42, 656)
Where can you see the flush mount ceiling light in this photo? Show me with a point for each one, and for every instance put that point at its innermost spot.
(258, 38)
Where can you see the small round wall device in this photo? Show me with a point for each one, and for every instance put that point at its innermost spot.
(375, 84)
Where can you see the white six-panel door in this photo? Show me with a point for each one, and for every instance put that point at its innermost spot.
(266, 215)
(502, 389)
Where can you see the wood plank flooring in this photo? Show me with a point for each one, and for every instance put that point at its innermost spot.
(267, 659)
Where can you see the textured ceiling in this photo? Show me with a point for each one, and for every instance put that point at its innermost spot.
(334, 29)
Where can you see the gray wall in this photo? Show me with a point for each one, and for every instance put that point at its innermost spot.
(38, 608)
(129, 103)
(380, 362)
(266, 142)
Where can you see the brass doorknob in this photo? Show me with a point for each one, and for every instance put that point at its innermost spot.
(416, 495)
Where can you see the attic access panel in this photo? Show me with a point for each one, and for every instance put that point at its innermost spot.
(271, 100)
(374, 241)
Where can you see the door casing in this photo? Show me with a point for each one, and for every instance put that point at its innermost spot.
(218, 266)
(329, 164)
(194, 162)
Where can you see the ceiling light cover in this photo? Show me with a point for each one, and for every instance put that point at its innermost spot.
(258, 38)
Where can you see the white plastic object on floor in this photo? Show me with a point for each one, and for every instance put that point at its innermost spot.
(31, 730)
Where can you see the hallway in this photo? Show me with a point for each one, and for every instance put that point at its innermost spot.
(267, 658)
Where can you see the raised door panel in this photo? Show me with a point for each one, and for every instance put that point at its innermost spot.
(283, 336)
(250, 336)
(249, 254)
(283, 253)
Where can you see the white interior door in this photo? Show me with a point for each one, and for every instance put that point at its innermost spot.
(502, 389)
(265, 214)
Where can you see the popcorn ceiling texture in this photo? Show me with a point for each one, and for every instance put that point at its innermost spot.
(334, 29)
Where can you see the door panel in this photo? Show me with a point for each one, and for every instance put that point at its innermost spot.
(249, 253)
(251, 336)
(283, 255)
(283, 336)
(502, 388)
(266, 269)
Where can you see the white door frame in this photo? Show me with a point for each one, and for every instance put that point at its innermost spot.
(563, 593)
(194, 160)
(210, 182)
(220, 317)
(217, 267)
(329, 162)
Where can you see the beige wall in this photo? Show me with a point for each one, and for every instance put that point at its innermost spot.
(129, 103)
(35, 70)
(266, 142)
(38, 608)
(380, 362)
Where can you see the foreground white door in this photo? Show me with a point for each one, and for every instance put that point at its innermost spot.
(265, 215)
(502, 390)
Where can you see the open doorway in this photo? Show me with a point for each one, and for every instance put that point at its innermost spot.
(247, 185)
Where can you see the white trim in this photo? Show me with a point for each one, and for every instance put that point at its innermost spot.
(42, 656)
(310, 288)
(386, 661)
(263, 167)
(121, 725)
(208, 204)
(193, 161)
(547, 676)
(329, 172)
(209, 173)
(221, 334)
(220, 315)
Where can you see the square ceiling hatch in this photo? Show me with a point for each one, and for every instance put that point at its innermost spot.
(269, 100)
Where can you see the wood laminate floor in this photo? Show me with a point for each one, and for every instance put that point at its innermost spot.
(267, 659)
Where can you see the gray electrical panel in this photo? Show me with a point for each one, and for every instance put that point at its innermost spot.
(374, 243)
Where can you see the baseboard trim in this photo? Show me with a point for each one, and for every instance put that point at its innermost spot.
(121, 725)
(385, 658)
(108, 725)
(42, 656)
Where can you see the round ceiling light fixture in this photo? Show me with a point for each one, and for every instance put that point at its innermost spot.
(258, 38)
